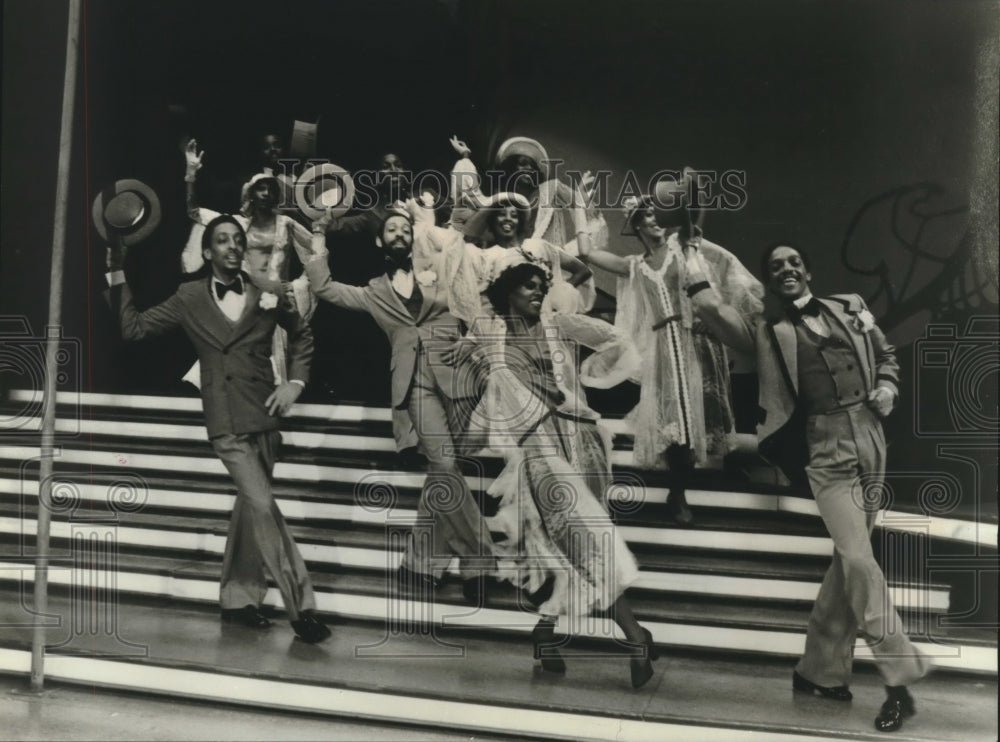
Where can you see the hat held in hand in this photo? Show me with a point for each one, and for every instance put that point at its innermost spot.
(128, 209)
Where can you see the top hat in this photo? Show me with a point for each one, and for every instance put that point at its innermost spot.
(323, 186)
(476, 226)
(128, 209)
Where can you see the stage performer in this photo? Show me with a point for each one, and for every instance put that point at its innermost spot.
(409, 302)
(684, 416)
(827, 378)
(567, 555)
(231, 324)
(271, 237)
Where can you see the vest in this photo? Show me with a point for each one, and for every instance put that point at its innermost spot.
(829, 372)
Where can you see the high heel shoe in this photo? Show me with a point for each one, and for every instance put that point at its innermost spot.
(642, 667)
(651, 651)
(543, 636)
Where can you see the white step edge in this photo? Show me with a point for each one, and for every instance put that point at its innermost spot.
(908, 596)
(388, 611)
(383, 706)
(952, 529)
(122, 499)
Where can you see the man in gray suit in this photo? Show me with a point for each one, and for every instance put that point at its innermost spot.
(409, 303)
(827, 377)
(231, 324)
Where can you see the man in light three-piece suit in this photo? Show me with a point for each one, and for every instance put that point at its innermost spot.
(409, 303)
(231, 323)
(827, 377)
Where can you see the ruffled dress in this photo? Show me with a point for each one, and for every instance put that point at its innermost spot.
(685, 396)
(552, 533)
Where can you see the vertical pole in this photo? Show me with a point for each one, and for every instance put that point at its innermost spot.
(53, 335)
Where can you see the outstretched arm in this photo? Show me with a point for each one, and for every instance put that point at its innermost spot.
(136, 325)
(603, 259)
(192, 159)
(317, 268)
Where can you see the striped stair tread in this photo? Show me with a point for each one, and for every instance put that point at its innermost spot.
(763, 576)
(683, 624)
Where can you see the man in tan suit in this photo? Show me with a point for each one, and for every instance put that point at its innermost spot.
(231, 324)
(409, 302)
(827, 377)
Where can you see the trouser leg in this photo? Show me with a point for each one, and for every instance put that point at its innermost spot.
(847, 454)
(450, 522)
(259, 542)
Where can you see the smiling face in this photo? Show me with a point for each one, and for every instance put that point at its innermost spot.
(227, 244)
(787, 275)
(526, 298)
(647, 227)
(505, 223)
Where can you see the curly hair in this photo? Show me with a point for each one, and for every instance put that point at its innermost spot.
(510, 279)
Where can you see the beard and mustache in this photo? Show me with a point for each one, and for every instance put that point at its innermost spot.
(398, 255)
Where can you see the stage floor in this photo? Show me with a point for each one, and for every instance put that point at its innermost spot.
(713, 696)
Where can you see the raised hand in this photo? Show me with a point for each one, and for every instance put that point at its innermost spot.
(115, 255)
(459, 146)
(193, 157)
(322, 223)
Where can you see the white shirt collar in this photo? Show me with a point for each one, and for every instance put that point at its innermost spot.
(802, 300)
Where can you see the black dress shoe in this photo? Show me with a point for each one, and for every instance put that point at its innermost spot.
(898, 706)
(543, 638)
(310, 629)
(248, 615)
(677, 507)
(836, 693)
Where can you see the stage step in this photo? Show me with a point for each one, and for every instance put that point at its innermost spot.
(141, 471)
(696, 620)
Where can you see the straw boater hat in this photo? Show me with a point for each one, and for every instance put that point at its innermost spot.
(129, 209)
(516, 146)
(323, 186)
(477, 227)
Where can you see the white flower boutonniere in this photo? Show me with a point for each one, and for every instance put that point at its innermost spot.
(268, 300)
(427, 278)
(863, 321)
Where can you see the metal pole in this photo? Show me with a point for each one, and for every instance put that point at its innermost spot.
(53, 334)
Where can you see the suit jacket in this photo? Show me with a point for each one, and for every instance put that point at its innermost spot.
(413, 339)
(780, 429)
(236, 373)
(781, 422)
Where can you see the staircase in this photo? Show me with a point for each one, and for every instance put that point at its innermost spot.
(140, 510)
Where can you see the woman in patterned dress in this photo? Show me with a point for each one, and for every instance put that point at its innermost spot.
(684, 417)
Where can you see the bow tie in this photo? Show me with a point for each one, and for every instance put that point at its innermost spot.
(221, 290)
(811, 309)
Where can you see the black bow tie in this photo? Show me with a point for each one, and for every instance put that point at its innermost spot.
(221, 289)
(810, 308)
